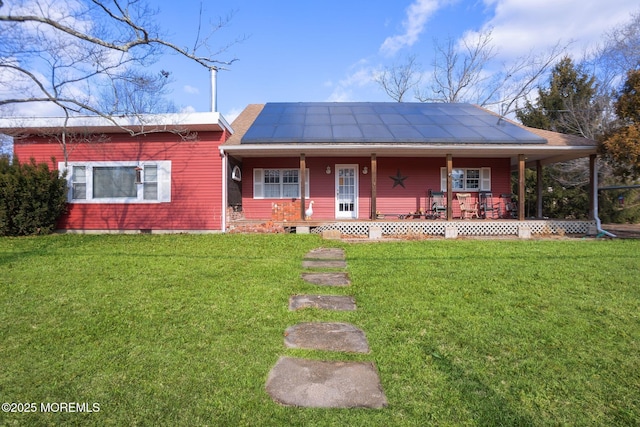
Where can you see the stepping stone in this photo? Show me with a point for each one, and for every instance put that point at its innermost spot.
(330, 263)
(325, 253)
(326, 336)
(327, 279)
(322, 384)
(323, 302)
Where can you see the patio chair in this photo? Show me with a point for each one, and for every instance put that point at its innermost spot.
(438, 201)
(468, 206)
(510, 207)
(487, 205)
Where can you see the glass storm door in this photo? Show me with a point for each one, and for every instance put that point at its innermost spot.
(346, 191)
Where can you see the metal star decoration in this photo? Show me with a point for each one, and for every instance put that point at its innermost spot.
(398, 179)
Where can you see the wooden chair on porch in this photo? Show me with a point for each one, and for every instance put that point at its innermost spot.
(510, 206)
(468, 206)
(438, 201)
(487, 205)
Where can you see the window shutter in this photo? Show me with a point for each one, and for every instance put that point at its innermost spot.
(257, 183)
(485, 179)
(164, 181)
(306, 183)
(443, 179)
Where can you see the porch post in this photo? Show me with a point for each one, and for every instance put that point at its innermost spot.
(593, 191)
(303, 185)
(521, 193)
(539, 190)
(374, 185)
(449, 187)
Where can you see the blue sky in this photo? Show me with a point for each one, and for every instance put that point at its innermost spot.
(330, 50)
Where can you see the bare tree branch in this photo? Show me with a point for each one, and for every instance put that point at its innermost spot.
(458, 71)
(399, 79)
(92, 57)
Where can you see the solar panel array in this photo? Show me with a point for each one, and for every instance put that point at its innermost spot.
(383, 122)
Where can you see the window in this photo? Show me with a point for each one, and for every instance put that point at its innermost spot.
(114, 182)
(469, 179)
(119, 182)
(278, 183)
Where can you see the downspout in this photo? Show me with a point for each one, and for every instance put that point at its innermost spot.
(594, 172)
(224, 189)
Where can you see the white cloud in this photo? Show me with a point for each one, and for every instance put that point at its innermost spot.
(188, 109)
(191, 90)
(232, 114)
(521, 26)
(359, 75)
(418, 13)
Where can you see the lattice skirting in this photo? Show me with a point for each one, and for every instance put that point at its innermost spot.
(464, 228)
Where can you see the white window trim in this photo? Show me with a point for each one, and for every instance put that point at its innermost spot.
(163, 181)
(258, 183)
(484, 180)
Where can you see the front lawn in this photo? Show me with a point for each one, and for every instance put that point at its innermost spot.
(184, 329)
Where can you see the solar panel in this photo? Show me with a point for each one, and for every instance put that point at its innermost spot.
(382, 122)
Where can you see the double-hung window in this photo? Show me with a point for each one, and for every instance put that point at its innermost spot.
(118, 182)
(467, 179)
(278, 183)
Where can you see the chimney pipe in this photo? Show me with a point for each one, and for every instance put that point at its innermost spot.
(214, 89)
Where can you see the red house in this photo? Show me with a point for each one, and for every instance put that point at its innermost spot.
(366, 161)
(150, 174)
(362, 165)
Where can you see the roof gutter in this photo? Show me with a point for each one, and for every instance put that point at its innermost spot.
(397, 149)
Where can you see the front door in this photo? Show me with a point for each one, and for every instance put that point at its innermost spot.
(346, 191)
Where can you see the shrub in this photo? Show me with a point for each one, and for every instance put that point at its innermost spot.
(32, 198)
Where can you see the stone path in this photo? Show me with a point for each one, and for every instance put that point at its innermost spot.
(325, 384)
(318, 384)
(322, 302)
(327, 279)
(326, 336)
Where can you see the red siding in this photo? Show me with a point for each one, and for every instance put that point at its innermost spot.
(422, 174)
(196, 181)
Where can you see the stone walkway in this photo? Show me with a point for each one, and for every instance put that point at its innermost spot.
(325, 384)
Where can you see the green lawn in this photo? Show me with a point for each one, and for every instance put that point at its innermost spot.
(184, 329)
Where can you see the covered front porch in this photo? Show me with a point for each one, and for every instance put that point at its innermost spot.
(308, 173)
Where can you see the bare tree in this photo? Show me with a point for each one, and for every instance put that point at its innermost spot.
(91, 57)
(458, 71)
(399, 79)
(618, 54)
(461, 73)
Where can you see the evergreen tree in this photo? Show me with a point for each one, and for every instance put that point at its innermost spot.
(565, 105)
